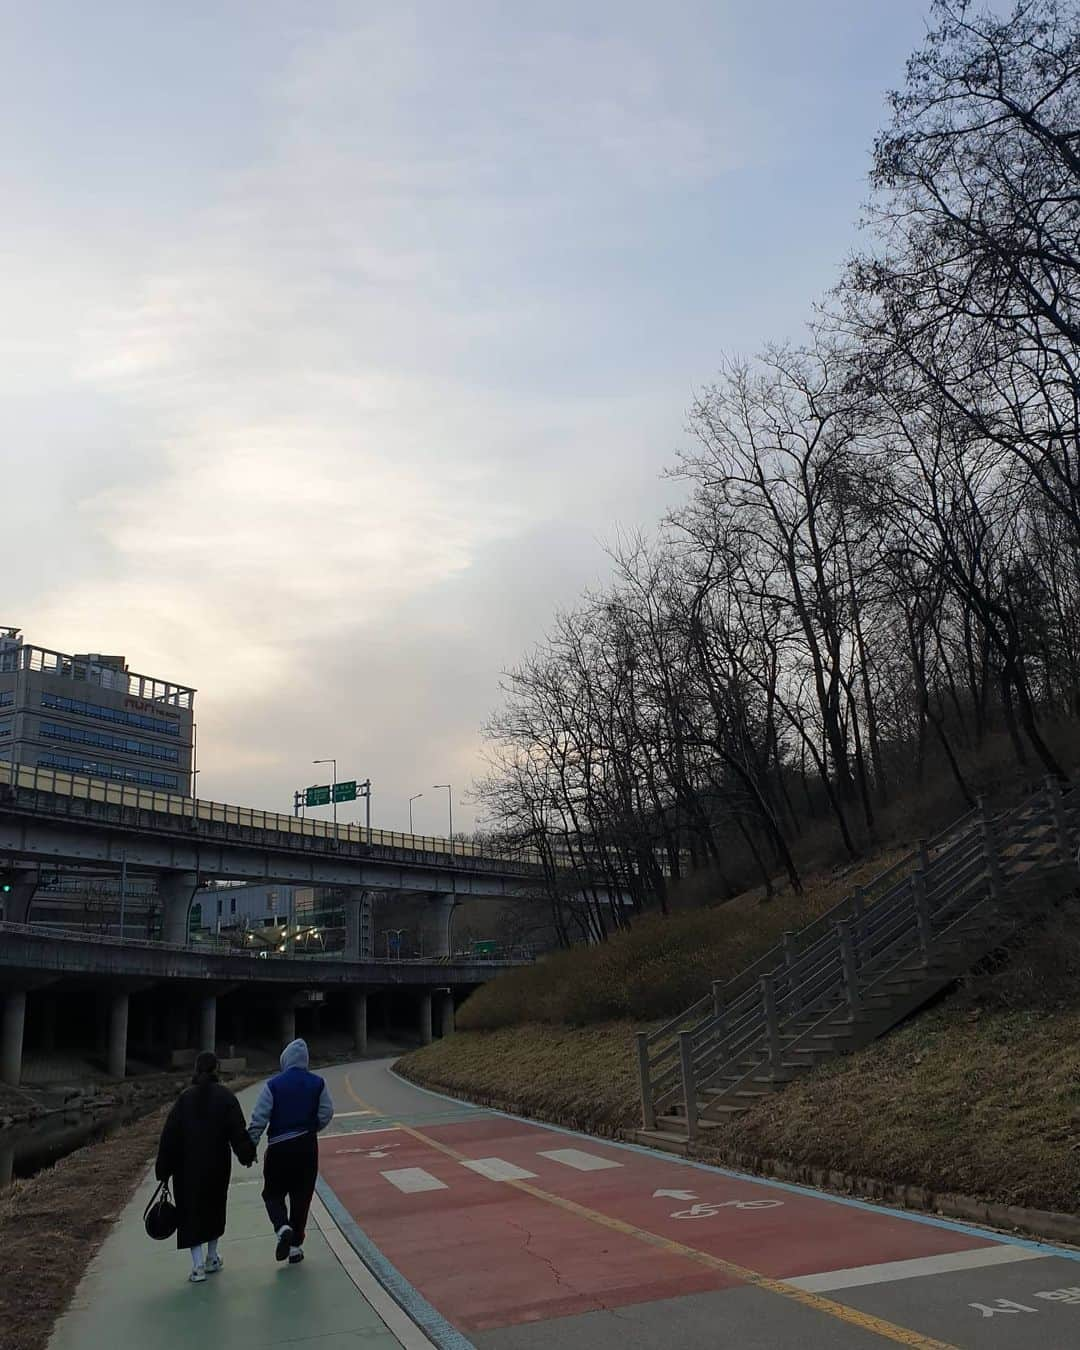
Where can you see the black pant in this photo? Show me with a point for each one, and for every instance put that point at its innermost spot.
(289, 1173)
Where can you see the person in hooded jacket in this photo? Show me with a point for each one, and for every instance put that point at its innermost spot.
(292, 1108)
(202, 1131)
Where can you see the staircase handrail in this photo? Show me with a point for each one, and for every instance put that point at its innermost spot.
(883, 920)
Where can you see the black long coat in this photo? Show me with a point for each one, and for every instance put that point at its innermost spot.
(205, 1123)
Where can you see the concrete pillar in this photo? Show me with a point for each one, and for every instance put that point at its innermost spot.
(118, 1034)
(446, 1012)
(11, 1037)
(7, 1165)
(48, 1022)
(425, 1017)
(288, 1025)
(358, 927)
(175, 891)
(359, 1024)
(443, 925)
(18, 900)
(208, 1022)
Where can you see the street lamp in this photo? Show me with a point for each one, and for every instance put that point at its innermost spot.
(450, 804)
(393, 932)
(412, 799)
(333, 786)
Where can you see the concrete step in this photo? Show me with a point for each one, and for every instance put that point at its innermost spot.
(666, 1141)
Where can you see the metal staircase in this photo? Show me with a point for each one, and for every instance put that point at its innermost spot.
(860, 968)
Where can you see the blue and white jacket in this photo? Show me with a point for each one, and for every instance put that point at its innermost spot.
(293, 1103)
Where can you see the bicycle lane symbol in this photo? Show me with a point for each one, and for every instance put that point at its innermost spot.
(709, 1209)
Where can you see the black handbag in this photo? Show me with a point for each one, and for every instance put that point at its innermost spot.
(159, 1217)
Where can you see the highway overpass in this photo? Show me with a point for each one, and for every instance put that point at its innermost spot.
(51, 818)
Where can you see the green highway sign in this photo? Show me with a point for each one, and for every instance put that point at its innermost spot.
(345, 792)
(318, 796)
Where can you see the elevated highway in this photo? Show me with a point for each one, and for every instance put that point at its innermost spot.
(51, 818)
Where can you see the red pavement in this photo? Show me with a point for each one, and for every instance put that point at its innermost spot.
(487, 1254)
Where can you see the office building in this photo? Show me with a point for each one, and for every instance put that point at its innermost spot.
(89, 714)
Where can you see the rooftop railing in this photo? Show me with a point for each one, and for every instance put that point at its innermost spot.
(79, 668)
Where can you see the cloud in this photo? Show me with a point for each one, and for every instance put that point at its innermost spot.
(345, 424)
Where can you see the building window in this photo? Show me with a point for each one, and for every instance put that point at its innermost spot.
(232, 905)
(95, 768)
(102, 714)
(7, 698)
(6, 724)
(123, 745)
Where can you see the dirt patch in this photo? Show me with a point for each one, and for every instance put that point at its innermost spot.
(52, 1224)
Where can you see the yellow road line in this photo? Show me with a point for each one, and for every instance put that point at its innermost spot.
(852, 1316)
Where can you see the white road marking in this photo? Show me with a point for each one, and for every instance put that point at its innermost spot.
(398, 1323)
(676, 1195)
(495, 1169)
(709, 1209)
(914, 1269)
(579, 1159)
(414, 1179)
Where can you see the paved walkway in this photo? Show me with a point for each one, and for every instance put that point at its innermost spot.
(136, 1294)
(497, 1234)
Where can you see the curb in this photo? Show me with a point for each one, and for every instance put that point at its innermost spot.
(1045, 1223)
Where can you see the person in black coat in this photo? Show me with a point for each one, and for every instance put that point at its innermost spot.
(205, 1123)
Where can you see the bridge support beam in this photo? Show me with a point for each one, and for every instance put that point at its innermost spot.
(11, 1037)
(18, 900)
(358, 1009)
(288, 1024)
(445, 905)
(358, 934)
(175, 891)
(446, 1012)
(208, 1022)
(118, 1034)
(425, 1017)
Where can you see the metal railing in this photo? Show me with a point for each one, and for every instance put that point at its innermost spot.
(504, 957)
(771, 1012)
(105, 675)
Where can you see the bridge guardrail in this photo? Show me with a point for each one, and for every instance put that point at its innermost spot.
(79, 787)
(227, 950)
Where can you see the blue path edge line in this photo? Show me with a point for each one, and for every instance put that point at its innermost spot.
(409, 1299)
(930, 1220)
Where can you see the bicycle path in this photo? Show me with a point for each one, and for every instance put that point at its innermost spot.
(502, 1234)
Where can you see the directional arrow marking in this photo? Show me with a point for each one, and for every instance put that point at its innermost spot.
(676, 1195)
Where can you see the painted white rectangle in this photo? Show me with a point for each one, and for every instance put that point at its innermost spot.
(411, 1180)
(579, 1160)
(917, 1268)
(496, 1169)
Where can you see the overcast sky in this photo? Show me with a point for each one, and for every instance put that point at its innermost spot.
(337, 339)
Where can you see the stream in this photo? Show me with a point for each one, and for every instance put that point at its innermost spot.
(27, 1149)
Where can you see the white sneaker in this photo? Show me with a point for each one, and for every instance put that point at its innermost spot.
(214, 1264)
(296, 1255)
(198, 1275)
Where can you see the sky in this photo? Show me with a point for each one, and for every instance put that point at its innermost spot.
(339, 340)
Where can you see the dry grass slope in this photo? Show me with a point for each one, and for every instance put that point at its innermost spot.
(661, 965)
